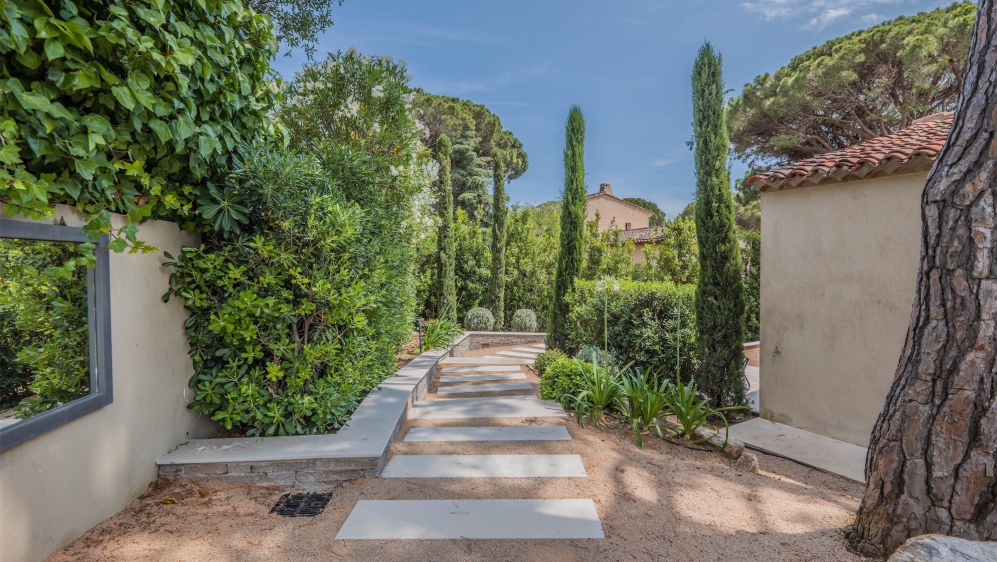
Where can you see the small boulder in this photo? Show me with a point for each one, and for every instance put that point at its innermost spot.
(942, 548)
(747, 463)
(733, 449)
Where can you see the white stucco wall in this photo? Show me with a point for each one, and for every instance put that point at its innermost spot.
(838, 274)
(59, 485)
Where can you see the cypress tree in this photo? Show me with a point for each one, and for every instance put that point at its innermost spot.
(720, 290)
(569, 259)
(496, 289)
(446, 286)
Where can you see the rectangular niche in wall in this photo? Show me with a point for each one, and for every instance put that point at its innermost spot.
(55, 361)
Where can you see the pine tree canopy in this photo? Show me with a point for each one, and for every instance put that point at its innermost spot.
(471, 175)
(863, 85)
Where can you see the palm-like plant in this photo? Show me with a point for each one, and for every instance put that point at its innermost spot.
(439, 334)
(642, 401)
(693, 412)
(600, 390)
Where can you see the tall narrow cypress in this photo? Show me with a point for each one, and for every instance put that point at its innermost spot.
(446, 290)
(496, 288)
(569, 260)
(720, 291)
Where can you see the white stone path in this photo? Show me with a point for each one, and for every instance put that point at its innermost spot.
(526, 518)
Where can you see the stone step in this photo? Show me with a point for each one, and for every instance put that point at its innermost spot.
(478, 388)
(473, 519)
(484, 466)
(479, 361)
(533, 352)
(532, 433)
(488, 407)
(516, 354)
(520, 360)
(483, 369)
(539, 345)
(480, 378)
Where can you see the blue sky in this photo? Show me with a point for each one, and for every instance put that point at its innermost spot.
(627, 63)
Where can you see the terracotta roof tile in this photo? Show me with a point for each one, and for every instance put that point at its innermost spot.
(913, 149)
(646, 235)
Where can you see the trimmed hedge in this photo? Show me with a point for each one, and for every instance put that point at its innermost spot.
(642, 320)
(479, 320)
(563, 380)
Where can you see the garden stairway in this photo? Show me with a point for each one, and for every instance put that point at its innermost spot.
(501, 392)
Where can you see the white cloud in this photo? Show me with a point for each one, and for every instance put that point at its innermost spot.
(660, 162)
(821, 12)
(872, 18)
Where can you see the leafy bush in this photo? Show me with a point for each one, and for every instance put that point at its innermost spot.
(563, 380)
(127, 107)
(44, 337)
(643, 323)
(546, 359)
(530, 259)
(439, 334)
(524, 320)
(591, 353)
(479, 320)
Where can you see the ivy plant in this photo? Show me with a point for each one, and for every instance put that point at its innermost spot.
(127, 106)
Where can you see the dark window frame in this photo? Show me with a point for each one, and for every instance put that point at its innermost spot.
(98, 325)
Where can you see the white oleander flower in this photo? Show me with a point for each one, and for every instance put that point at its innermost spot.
(377, 91)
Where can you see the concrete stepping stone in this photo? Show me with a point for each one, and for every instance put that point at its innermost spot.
(476, 388)
(534, 433)
(473, 519)
(488, 407)
(484, 466)
(479, 378)
(479, 361)
(533, 352)
(539, 345)
(483, 369)
(516, 354)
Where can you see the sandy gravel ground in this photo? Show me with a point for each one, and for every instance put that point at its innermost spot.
(664, 503)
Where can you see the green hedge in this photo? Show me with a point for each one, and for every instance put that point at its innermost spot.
(563, 380)
(642, 323)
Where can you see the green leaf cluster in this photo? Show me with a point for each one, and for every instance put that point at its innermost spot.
(865, 84)
(127, 106)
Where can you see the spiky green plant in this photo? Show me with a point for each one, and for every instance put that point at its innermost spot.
(600, 390)
(693, 412)
(439, 334)
(569, 260)
(720, 289)
(643, 397)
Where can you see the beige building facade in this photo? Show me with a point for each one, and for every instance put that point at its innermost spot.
(838, 274)
(58, 485)
(611, 208)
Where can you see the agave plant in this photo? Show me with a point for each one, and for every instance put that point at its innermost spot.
(693, 412)
(643, 400)
(439, 334)
(600, 390)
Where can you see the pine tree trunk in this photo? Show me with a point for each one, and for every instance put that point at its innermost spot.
(932, 462)
(496, 288)
(446, 300)
(720, 288)
(569, 260)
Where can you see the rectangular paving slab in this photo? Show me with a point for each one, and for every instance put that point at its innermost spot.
(476, 361)
(483, 369)
(533, 352)
(473, 519)
(539, 345)
(484, 466)
(476, 388)
(489, 407)
(534, 433)
(479, 378)
(516, 354)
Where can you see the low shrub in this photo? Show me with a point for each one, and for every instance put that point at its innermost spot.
(479, 320)
(524, 320)
(591, 353)
(649, 324)
(564, 380)
(546, 359)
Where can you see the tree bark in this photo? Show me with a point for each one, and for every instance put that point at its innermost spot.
(932, 462)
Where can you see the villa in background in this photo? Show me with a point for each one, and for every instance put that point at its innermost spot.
(632, 220)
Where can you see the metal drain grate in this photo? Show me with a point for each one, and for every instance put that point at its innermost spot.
(308, 504)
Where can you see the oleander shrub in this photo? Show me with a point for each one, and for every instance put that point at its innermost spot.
(479, 320)
(120, 106)
(564, 380)
(524, 320)
(649, 324)
(546, 359)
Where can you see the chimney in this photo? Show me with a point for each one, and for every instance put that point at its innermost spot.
(605, 188)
